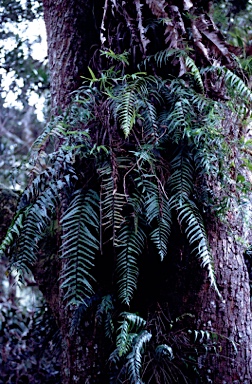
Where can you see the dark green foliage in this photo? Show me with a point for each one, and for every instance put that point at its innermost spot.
(79, 245)
(132, 154)
(141, 145)
(159, 350)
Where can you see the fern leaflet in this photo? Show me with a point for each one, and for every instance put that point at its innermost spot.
(80, 242)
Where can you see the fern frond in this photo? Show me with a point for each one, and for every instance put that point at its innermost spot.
(189, 216)
(112, 201)
(131, 243)
(34, 228)
(181, 180)
(238, 85)
(161, 57)
(131, 97)
(134, 362)
(164, 351)
(104, 314)
(157, 208)
(127, 111)
(178, 119)
(43, 138)
(128, 329)
(80, 242)
(190, 63)
(150, 123)
(15, 229)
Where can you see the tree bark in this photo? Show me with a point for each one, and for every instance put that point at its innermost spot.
(72, 36)
(229, 317)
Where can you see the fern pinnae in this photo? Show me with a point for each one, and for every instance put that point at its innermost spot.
(237, 84)
(189, 215)
(131, 243)
(134, 359)
(112, 201)
(104, 314)
(36, 222)
(157, 207)
(181, 180)
(80, 242)
(126, 110)
(190, 63)
(129, 327)
(15, 229)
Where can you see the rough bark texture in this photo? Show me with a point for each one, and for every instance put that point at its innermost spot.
(230, 318)
(72, 36)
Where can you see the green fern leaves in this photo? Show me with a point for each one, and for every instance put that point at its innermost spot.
(157, 207)
(80, 225)
(130, 246)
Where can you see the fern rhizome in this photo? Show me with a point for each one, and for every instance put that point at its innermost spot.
(133, 152)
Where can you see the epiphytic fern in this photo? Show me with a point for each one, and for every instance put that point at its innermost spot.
(134, 359)
(37, 220)
(112, 201)
(104, 314)
(158, 214)
(181, 187)
(15, 229)
(80, 241)
(130, 245)
(128, 329)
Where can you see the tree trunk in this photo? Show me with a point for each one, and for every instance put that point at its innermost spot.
(229, 317)
(73, 34)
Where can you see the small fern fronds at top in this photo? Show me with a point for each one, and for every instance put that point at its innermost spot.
(134, 359)
(80, 242)
(129, 245)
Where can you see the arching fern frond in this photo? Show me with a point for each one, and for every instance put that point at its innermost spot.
(134, 359)
(15, 229)
(35, 225)
(128, 329)
(191, 220)
(80, 241)
(238, 85)
(164, 351)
